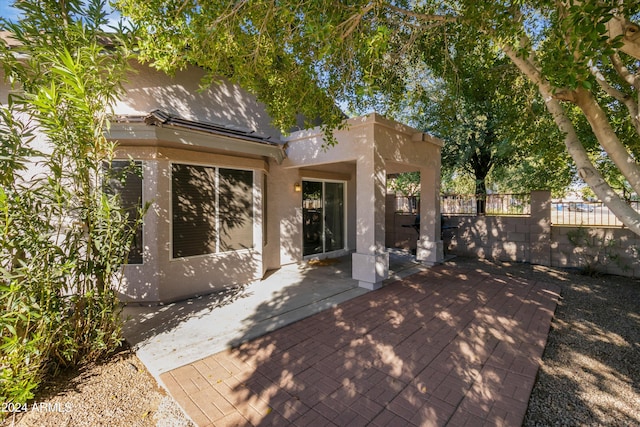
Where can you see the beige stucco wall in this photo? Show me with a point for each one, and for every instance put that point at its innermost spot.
(284, 218)
(608, 250)
(375, 147)
(492, 237)
(222, 103)
(285, 209)
(367, 150)
(162, 278)
(38, 141)
(507, 238)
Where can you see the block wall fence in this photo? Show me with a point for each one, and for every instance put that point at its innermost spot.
(531, 239)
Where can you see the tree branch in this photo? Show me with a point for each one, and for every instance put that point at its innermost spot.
(634, 82)
(356, 18)
(232, 11)
(423, 16)
(632, 79)
(624, 98)
(617, 94)
(529, 69)
(607, 138)
(586, 170)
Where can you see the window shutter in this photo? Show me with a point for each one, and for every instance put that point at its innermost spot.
(194, 210)
(125, 179)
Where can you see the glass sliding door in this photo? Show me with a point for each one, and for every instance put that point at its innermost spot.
(334, 216)
(312, 214)
(323, 217)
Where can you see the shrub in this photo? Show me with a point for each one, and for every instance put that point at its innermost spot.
(595, 252)
(63, 238)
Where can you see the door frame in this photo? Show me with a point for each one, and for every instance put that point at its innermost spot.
(338, 252)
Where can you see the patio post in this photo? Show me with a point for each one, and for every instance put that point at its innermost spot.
(370, 262)
(430, 250)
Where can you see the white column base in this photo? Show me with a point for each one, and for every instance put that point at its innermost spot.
(370, 270)
(430, 253)
(369, 286)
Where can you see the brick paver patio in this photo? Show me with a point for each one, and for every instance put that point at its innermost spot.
(447, 346)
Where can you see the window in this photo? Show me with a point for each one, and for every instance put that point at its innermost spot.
(236, 209)
(212, 209)
(323, 215)
(125, 179)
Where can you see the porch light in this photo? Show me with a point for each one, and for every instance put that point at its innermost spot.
(297, 187)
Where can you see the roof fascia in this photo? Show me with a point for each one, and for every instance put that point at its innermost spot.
(194, 139)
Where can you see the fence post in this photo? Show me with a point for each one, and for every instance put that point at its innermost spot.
(540, 227)
(481, 204)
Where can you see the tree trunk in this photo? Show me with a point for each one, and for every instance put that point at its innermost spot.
(627, 215)
(481, 162)
(608, 139)
(481, 194)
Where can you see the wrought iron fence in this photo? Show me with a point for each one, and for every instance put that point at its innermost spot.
(585, 213)
(407, 204)
(458, 204)
(562, 212)
(491, 204)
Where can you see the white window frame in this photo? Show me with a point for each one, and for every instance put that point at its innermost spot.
(216, 168)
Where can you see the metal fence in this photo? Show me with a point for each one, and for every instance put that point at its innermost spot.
(585, 213)
(407, 204)
(491, 204)
(562, 212)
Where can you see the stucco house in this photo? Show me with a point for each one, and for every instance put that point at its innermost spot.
(231, 197)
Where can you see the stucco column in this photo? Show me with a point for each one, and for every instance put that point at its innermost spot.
(540, 227)
(429, 247)
(371, 260)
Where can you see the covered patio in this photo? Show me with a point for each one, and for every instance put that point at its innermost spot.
(169, 336)
(368, 149)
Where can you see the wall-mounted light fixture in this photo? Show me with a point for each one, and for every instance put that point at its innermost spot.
(297, 187)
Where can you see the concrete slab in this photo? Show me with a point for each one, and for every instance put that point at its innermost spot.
(167, 337)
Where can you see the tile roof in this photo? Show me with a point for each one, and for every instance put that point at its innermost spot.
(160, 118)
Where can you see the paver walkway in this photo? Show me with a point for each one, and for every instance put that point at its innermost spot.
(447, 346)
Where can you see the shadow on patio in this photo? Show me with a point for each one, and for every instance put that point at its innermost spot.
(447, 345)
(168, 336)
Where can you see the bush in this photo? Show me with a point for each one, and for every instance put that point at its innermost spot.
(594, 251)
(63, 238)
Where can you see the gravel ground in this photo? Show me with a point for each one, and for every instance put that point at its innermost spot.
(590, 374)
(118, 392)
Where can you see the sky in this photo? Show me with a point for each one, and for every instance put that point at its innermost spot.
(6, 11)
(11, 13)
